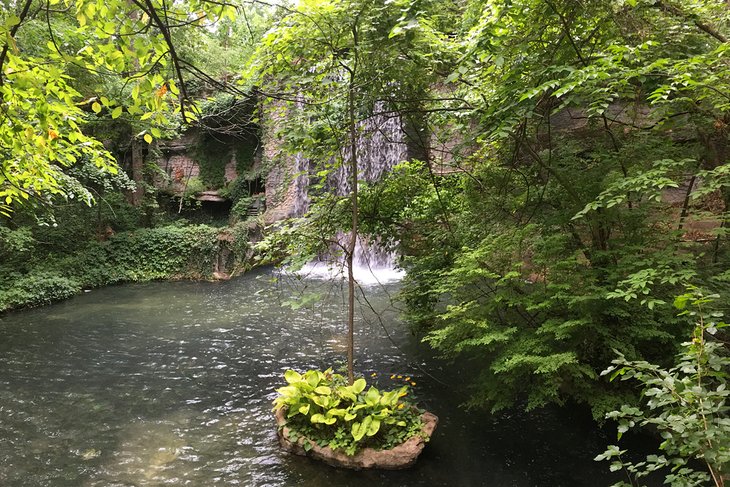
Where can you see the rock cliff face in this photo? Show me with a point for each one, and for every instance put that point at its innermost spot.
(269, 169)
(287, 177)
(386, 139)
(382, 144)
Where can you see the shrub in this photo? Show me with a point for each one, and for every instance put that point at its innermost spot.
(37, 290)
(170, 252)
(16, 246)
(239, 211)
(687, 404)
(321, 407)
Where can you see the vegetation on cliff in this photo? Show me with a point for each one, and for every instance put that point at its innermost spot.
(87, 88)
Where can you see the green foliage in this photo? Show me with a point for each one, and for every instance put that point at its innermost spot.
(37, 290)
(528, 249)
(522, 294)
(16, 246)
(193, 187)
(239, 210)
(44, 136)
(212, 155)
(647, 184)
(74, 224)
(245, 153)
(547, 236)
(686, 404)
(68, 62)
(242, 236)
(228, 130)
(240, 193)
(578, 177)
(170, 252)
(322, 409)
(222, 52)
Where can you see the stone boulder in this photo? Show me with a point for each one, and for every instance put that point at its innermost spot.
(399, 457)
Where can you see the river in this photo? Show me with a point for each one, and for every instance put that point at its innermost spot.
(171, 383)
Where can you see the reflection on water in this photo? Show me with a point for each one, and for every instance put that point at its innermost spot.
(171, 384)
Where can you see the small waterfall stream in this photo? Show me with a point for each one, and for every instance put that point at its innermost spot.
(381, 145)
(301, 184)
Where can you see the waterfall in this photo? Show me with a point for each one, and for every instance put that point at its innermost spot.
(301, 175)
(380, 146)
(301, 184)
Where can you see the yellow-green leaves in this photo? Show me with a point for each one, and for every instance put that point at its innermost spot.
(122, 66)
(368, 426)
(292, 376)
(11, 21)
(320, 418)
(42, 135)
(342, 416)
(352, 391)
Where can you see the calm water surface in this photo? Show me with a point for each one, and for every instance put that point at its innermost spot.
(171, 384)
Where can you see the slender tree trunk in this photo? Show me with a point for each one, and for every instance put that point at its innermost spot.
(352, 129)
(353, 237)
(137, 154)
(137, 172)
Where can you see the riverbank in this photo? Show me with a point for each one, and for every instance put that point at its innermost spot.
(39, 275)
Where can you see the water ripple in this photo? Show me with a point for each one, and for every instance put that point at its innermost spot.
(171, 384)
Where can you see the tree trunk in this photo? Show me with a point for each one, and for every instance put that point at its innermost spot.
(137, 154)
(353, 237)
(137, 172)
(352, 129)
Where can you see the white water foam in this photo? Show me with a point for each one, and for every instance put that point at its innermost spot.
(364, 275)
(380, 146)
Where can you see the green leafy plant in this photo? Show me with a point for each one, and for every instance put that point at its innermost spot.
(37, 290)
(169, 252)
(322, 408)
(686, 404)
(212, 156)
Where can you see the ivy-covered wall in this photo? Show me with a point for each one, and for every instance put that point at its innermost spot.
(220, 152)
(144, 254)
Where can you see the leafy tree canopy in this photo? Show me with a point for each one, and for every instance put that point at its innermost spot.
(540, 233)
(63, 63)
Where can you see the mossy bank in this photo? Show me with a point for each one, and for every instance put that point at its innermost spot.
(35, 272)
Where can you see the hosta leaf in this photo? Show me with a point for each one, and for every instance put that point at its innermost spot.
(358, 386)
(292, 376)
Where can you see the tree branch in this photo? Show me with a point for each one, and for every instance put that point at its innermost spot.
(704, 27)
(13, 31)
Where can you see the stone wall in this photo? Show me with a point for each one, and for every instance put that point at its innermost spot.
(179, 163)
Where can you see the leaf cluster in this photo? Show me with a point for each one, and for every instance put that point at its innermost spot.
(37, 274)
(686, 404)
(321, 408)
